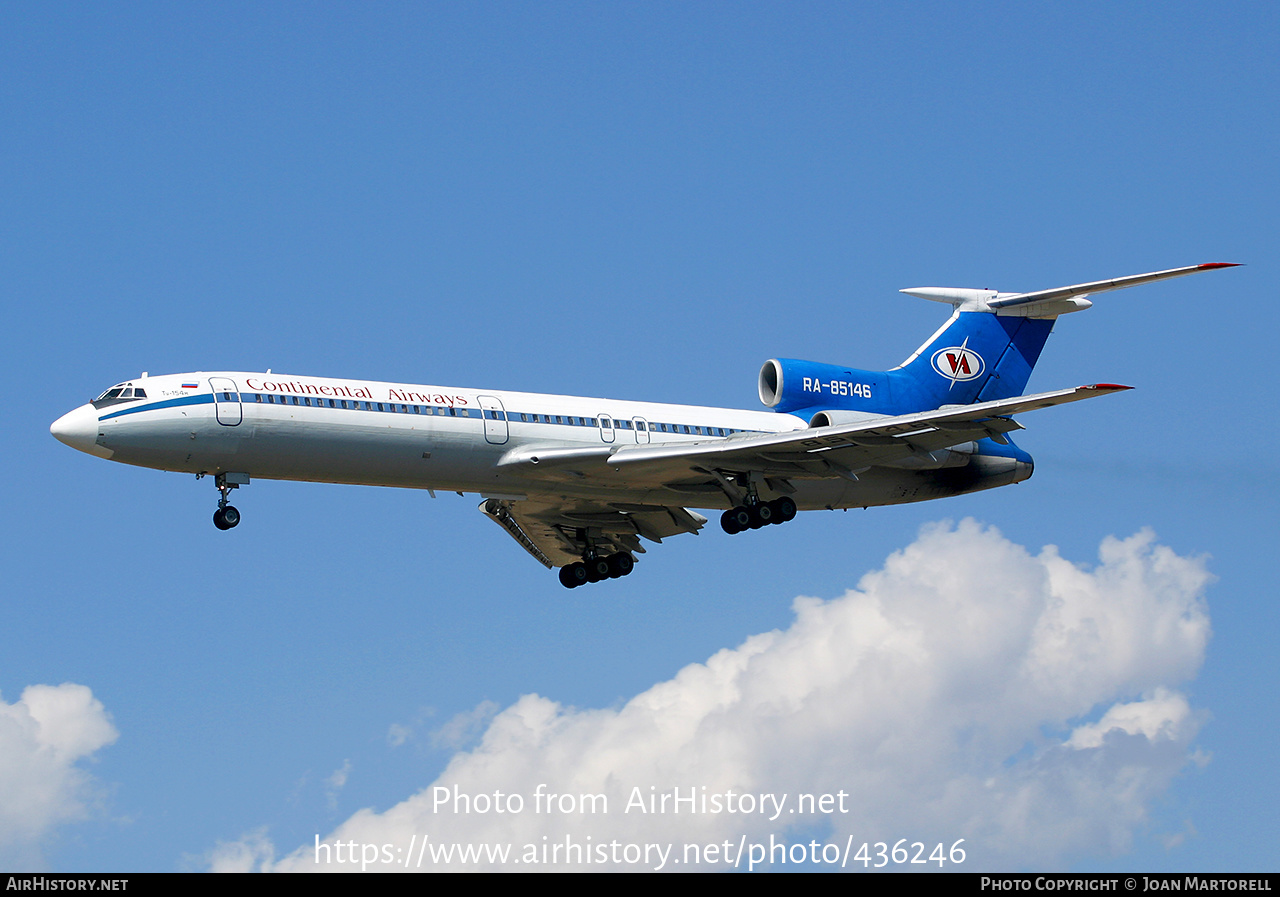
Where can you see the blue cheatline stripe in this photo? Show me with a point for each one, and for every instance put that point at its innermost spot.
(428, 410)
(202, 399)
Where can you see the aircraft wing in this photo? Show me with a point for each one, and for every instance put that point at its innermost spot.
(547, 527)
(839, 449)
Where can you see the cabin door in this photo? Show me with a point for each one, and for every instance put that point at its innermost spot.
(495, 420)
(226, 401)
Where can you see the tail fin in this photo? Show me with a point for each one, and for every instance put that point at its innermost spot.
(984, 352)
(976, 356)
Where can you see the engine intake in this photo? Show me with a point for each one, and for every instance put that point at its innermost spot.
(787, 385)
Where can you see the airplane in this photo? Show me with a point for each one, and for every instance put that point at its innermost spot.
(578, 482)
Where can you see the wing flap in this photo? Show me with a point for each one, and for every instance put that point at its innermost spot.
(499, 512)
(552, 531)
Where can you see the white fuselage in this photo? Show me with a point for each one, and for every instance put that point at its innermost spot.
(315, 429)
(284, 427)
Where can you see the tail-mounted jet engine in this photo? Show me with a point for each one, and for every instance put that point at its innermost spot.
(788, 385)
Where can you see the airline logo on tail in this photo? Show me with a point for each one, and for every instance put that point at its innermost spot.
(958, 363)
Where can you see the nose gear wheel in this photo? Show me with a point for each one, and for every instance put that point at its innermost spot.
(226, 516)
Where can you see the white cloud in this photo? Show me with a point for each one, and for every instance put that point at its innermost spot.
(398, 734)
(43, 736)
(966, 690)
(253, 851)
(1159, 717)
(336, 782)
(464, 727)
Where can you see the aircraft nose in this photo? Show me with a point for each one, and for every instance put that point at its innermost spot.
(79, 429)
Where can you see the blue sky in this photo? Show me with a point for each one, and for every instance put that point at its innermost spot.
(639, 201)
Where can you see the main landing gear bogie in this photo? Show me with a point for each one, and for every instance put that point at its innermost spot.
(597, 568)
(757, 514)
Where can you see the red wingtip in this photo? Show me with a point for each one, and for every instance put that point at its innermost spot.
(1218, 265)
(1110, 386)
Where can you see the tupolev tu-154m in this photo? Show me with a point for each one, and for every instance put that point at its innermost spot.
(578, 482)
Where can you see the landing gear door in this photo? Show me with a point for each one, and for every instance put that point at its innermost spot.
(495, 420)
(226, 401)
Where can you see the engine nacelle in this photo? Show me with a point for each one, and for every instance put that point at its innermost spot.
(833, 416)
(787, 384)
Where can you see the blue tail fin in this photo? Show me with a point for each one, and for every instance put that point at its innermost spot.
(975, 357)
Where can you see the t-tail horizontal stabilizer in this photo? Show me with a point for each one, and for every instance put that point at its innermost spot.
(1048, 303)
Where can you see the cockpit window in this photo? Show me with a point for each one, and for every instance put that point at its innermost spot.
(121, 392)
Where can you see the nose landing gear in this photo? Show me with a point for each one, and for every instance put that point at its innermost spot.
(227, 516)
